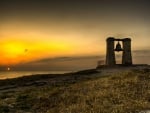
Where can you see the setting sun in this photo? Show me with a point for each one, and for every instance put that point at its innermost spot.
(14, 49)
(20, 51)
(74, 56)
(32, 33)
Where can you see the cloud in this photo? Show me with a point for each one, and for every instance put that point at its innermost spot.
(141, 56)
(142, 52)
(61, 63)
(68, 58)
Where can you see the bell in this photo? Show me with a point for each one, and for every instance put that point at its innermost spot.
(118, 47)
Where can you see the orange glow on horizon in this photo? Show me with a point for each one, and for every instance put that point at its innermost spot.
(24, 44)
(21, 51)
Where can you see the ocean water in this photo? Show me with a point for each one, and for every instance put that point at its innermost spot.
(15, 74)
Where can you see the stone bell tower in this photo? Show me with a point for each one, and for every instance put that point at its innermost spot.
(110, 53)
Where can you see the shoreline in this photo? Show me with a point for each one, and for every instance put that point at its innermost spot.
(72, 77)
(45, 79)
(55, 93)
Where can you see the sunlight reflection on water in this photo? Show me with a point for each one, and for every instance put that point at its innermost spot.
(15, 74)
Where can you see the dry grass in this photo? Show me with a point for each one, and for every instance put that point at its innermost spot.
(128, 92)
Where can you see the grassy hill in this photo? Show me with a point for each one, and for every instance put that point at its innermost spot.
(82, 92)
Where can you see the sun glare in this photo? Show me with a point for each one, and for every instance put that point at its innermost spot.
(14, 49)
(12, 52)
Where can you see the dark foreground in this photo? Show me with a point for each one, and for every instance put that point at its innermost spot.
(89, 91)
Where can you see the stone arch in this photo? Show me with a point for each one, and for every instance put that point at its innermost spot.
(110, 52)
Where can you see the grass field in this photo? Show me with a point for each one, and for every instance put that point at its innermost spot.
(82, 92)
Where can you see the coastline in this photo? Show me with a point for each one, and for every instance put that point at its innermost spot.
(123, 90)
(71, 77)
(44, 79)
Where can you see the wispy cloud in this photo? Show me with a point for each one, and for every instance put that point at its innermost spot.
(145, 52)
(68, 58)
(141, 56)
(62, 63)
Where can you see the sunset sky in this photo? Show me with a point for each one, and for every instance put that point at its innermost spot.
(69, 34)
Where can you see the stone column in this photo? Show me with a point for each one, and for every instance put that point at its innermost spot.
(110, 55)
(127, 57)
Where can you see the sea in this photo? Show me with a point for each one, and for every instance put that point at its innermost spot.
(16, 74)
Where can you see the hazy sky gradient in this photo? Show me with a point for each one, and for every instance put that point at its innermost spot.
(31, 30)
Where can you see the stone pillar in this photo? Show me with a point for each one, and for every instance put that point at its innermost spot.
(127, 57)
(110, 55)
